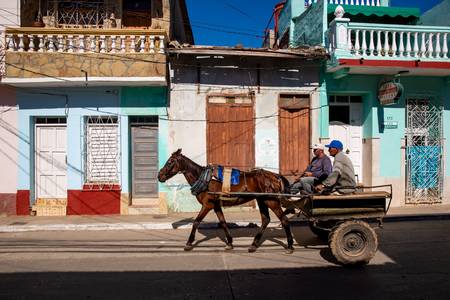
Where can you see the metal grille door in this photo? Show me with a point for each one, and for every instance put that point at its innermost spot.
(424, 169)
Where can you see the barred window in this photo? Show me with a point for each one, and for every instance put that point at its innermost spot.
(102, 150)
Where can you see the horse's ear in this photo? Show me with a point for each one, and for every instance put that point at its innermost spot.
(178, 151)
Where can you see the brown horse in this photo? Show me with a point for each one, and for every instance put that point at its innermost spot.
(256, 181)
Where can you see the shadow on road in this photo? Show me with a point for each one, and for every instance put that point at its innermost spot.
(371, 282)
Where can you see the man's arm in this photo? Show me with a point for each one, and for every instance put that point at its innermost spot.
(334, 176)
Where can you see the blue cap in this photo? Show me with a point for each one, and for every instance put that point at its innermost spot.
(335, 144)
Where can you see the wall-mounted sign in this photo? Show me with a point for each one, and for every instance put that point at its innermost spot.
(390, 124)
(390, 92)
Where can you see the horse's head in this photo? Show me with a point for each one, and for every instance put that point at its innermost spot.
(172, 167)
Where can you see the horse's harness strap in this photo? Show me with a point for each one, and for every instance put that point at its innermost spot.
(201, 184)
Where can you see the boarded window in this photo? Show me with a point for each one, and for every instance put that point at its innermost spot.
(102, 149)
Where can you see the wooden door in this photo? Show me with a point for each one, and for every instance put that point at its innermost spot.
(231, 134)
(51, 166)
(294, 140)
(137, 14)
(144, 159)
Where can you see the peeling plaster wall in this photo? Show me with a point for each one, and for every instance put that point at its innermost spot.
(187, 113)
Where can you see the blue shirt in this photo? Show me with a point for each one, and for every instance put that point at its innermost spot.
(320, 166)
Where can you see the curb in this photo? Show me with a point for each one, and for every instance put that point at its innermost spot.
(424, 217)
(207, 225)
(123, 226)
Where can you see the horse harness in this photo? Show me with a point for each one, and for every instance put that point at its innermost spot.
(209, 173)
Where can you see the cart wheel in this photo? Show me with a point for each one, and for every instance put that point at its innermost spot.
(353, 242)
(318, 228)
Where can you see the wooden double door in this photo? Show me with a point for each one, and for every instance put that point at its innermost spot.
(231, 132)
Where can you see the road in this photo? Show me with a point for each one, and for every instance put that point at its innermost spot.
(413, 262)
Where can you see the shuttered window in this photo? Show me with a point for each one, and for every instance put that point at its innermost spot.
(102, 149)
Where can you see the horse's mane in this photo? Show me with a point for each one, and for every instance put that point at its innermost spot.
(190, 164)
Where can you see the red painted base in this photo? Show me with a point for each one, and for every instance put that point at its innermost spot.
(395, 63)
(92, 202)
(23, 203)
(8, 204)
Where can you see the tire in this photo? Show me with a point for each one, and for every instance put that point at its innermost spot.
(353, 242)
(318, 228)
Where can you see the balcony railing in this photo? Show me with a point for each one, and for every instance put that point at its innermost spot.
(349, 2)
(381, 41)
(85, 40)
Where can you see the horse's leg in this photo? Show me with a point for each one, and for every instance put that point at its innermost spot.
(265, 220)
(276, 208)
(201, 215)
(223, 224)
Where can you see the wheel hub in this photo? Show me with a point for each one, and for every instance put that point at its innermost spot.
(354, 243)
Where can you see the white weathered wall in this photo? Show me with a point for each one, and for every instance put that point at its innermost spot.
(187, 114)
(9, 13)
(9, 137)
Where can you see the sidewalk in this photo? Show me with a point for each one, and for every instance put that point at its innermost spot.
(184, 220)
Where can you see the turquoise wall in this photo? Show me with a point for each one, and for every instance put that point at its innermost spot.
(374, 115)
(144, 101)
(75, 104)
(309, 27)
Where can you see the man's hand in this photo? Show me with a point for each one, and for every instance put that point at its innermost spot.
(319, 188)
(308, 174)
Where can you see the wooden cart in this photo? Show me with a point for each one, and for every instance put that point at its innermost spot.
(341, 220)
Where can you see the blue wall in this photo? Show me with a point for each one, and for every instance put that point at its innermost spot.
(75, 104)
(374, 115)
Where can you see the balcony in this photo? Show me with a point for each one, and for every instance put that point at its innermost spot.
(351, 2)
(53, 56)
(413, 47)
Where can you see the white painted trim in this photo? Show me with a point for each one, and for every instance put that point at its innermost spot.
(81, 81)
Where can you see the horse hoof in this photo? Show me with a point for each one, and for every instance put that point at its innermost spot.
(289, 250)
(188, 247)
(229, 247)
(252, 249)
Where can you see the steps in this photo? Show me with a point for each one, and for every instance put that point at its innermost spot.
(144, 206)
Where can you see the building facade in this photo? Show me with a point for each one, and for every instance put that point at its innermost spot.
(88, 82)
(241, 108)
(385, 91)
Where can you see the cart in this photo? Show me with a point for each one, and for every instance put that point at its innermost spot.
(341, 220)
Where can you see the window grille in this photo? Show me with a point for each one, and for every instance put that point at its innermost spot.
(80, 13)
(102, 155)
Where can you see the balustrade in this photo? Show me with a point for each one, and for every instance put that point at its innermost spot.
(388, 41)
(403, 43)
(80, 41)
(348, 2)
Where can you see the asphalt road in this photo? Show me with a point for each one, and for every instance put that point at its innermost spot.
(413, 262)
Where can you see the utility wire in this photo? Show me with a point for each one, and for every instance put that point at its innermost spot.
(208, 26)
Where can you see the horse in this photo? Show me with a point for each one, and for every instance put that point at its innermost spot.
(253, 181)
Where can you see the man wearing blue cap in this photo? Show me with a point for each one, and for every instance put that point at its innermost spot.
(342, 178)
